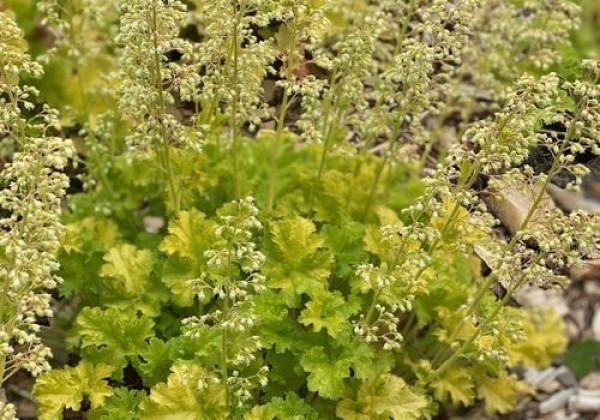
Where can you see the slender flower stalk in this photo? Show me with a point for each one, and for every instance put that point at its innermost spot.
(234, 279)
(33, 186)
(149, 32)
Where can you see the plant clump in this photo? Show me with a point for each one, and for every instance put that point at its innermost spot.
(275, 206)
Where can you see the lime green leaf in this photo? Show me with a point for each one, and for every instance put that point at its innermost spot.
(546, 339)
(455, 385)
(286, 374)
(385, 397)
(154, 361)
(176, 272)
(182, 399)
(127, 280)
(296, 238)
(500, 393)
(346, 243)
(277, 328)
(328, 369)
(373, 243)
(103, 232)
(119, 334)
(84, 245)
(296, 264)
(331, 203)
(330, 311)
(128, 267)
(363, 361)
(79, 272)
(66, 388)
(258, 412)
(205, 347)
(122, 405)
(387, 216)
(190, 235)
(326, 375)
(291, 407)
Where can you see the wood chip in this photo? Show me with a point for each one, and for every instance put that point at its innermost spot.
(571, 200)
(512, 204)
(586, 271)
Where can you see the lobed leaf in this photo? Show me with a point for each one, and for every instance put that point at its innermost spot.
(111, 334)
(382, 398)
(182, 398)
(67, 388)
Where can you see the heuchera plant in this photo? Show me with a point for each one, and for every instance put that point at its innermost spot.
(253, 238)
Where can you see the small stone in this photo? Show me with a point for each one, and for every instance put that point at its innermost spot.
(534, 296)
(560, 414)
(512, 204)
(589, 392)
(153, 224)
(543, 380)
(550, 387)
(591, 381)
(556, 401)
(566, 377)
(585, 403)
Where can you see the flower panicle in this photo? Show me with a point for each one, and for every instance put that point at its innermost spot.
(34, 185)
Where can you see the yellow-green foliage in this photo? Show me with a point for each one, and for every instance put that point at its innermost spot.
(279, 201)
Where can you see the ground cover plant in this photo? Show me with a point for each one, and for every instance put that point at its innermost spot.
(274, 207)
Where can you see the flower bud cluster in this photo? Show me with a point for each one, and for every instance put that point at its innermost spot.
(7, 411)
(353, 63)
(498, 145)
(383, 329)
(33, 186)
(233, 59)
(80, 28)
(149, 32)
(414, 76)
(394, 282)
(233, 278)
(498, 336)
(243, 386)
(560, 240)
(510, 37)
(233, 275)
